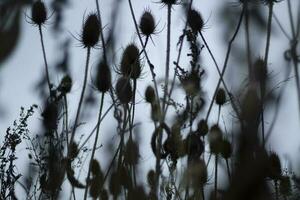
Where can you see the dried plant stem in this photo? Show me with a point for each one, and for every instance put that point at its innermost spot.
(266, 63)
(293, 49)
(151, 66)
(248, 40)
(94, 147)
(167, 59)
(66, 118)
(45, 59)
(178, 58)
(82, 95)
(228, 169)
(216, 175)
(94, 129)
(225, 62)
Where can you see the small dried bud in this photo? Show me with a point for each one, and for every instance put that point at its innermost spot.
(38, 13)
(155, 112)
(150, 94)
(215, 139)
(194, 146)
(195, 20)
(124, 90)
(226, 149)
(151, 177)
(202, 127)
(91, 31)
(103, 81)
(221, 97)
(147, 23)
(65, 84)
(131, 153)
(130, 62)
(260, 70)
(169, 2)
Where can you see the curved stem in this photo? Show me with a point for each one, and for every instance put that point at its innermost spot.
(45, 59)
(94, 147)
(82, 94)
(225, 62)
(266, 63)
(167, 59)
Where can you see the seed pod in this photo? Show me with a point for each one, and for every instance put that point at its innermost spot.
(50, 116)
(195, 20)
(65, 84)
(150, 94)
(91, 31)
(215, 139)
(194, 146)
(124, 90)
(151, 177)
(260, 70)
(131, 156)
(156, 114)
(202, 127)
(274, 167)
(226, 149)
(147, 23)
(103, 81)
(221, 97)
(169, 2)
(38, 13)
(130, 62)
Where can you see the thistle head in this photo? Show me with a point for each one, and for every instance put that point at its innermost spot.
(38, 13)
(147, 23)
(221, 97)
(130, 62)
(91, 31)
(124, 90)
(103, 81)
(195, 20)
(150, 94)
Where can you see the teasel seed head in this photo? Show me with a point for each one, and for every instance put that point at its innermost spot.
(38, 13)
(124, 90)
(202, 128)
(65, 84)
(150, 94)
(103, 81)
(221, 97)
(130, 62)
(215, 139)
(147, 23)
(226, 149)
(91, 31)
(195, 20)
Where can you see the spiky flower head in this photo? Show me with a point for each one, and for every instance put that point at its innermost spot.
(147, 23)
(130, 62)
(38, 13)
(103, 81)
(91, 31)
(195, 20)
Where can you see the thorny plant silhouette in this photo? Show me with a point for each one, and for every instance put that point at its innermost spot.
(187, 135)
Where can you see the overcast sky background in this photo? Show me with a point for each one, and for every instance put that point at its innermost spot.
(23, 69)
